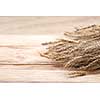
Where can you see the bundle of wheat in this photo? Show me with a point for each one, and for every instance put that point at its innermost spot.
(78, 51)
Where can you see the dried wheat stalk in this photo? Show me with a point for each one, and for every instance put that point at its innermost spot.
(78, 51)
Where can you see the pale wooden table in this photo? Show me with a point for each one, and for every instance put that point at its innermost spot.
(20, 44)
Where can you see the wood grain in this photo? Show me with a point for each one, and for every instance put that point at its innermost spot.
(44, 24)
(20, 61)
(20, 45)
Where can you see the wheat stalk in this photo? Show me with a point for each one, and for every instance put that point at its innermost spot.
(78, 51)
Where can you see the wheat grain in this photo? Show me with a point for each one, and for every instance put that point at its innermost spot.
(78, 51)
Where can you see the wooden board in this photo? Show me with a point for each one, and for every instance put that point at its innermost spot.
(44, 24)
(20, 44)
(20, 61)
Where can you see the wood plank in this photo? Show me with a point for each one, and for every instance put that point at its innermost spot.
(20, 61)
(44, 24)
(9, 75)
(20, 44)
(30, 75)
(20, 49)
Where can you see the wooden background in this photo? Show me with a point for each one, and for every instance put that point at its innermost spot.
(20, 44)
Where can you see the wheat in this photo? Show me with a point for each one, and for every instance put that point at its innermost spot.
(78, 51)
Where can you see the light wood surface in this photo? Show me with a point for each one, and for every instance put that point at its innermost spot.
(20, 45)
(20, 61)
(44, 25)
